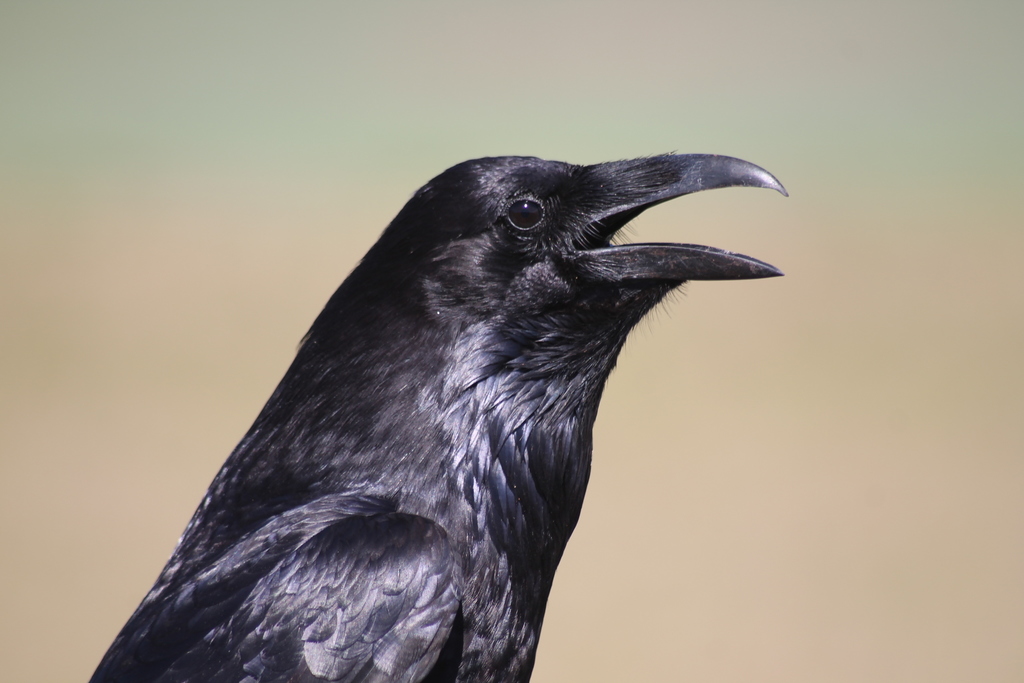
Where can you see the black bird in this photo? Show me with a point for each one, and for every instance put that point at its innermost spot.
(397, 511)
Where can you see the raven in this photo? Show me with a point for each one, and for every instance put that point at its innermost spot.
(398, 508)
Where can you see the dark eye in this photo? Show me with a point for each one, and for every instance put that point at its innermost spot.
(525, 213)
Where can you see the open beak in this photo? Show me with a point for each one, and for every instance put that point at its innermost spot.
(622, 190)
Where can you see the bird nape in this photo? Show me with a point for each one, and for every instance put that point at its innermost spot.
(399, 507)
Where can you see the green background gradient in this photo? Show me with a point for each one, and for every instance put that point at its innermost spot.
(813, 478)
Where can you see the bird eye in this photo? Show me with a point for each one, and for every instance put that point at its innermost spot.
(525, 213)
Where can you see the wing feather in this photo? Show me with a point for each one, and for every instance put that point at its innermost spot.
(355, 598)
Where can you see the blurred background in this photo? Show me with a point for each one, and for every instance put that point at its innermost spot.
(813, 478)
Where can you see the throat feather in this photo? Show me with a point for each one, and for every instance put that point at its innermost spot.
(524, 466)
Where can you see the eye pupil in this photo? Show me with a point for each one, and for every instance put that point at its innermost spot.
(525, 213)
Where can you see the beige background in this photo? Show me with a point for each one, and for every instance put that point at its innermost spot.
(815, 478)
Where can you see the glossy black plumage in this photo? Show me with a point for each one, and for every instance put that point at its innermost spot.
(399, 507)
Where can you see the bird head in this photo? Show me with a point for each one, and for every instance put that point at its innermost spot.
(517, 238)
